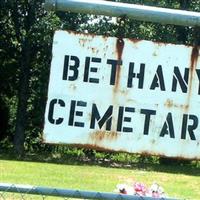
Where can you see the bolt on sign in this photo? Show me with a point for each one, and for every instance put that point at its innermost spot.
(124, 95)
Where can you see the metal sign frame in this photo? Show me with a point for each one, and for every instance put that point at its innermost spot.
(132, 11)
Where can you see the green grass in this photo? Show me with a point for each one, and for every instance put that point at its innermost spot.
(181, 182)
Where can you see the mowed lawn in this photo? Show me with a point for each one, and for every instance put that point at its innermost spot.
(177, 182)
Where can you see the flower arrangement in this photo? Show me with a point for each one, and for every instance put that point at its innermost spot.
(155, 190)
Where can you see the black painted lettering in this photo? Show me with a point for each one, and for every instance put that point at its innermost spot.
(114, 64)
(158, 80)
(168, 127)
(89, 69)
(122, 119)
(198, 75)
(148, 114)
(71, 113)
(189, 128)
(107, 118)
(139, 75)
(178, 78)
(52, 104)
(70, 67)
(86, 72)
(184, 126)
(74, 112)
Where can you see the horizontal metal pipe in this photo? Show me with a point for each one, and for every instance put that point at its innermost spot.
(116, 9)
(46, 191)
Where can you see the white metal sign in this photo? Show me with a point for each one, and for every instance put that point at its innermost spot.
(124, 95)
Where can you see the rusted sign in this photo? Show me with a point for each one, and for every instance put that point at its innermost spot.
(124, 95)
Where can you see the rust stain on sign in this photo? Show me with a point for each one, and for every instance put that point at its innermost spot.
(184, 107)
(194, 57)
(120, 47)
(101, 135)
(170, 104)
(82, 42)
(119, 51)
(193, 62)
(134, 40)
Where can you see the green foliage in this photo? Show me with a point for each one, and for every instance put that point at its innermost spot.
(26, 33)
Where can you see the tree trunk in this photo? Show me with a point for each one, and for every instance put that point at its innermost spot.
(23, 91)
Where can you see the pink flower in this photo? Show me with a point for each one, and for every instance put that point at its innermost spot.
(124, 189)
(155, 191)
(155, 195)
(140, 189)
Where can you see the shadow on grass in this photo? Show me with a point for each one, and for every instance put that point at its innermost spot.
(176, 167)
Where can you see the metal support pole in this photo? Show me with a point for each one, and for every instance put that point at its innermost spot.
(137, 12)
(46, 191)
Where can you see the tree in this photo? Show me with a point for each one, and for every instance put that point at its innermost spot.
(20, 22)
(26, 40)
